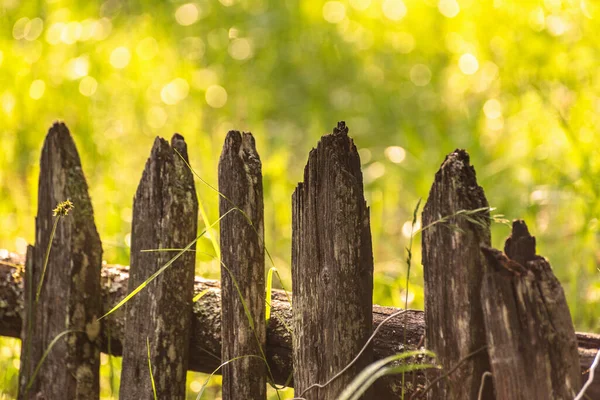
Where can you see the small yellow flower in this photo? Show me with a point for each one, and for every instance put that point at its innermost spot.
(62, 209)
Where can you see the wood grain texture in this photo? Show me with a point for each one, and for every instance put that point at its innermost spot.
(165, 214)
(532, 342)
(205, 341)
(243, 259)
(453, 268)
(332, 268)
(70, 295)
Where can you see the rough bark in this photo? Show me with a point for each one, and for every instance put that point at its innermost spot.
(331, 256)
(532, 342)
(243, 260)
(165, 214)
(205, 341)
(453, 269)
(70, 294)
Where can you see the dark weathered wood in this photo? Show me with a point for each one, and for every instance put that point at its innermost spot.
(332, 268)
(165, 214)
(205, 341)
(532, 342)
(243, 260)
(453, 268)
(70, 295)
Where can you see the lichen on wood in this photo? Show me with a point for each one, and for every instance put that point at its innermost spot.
(69, 295)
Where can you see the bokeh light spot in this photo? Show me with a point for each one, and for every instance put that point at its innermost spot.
(147, 48)
(492, 109)
(88, 86)
(186, 14)
(374, 171)
(395, 154)
(195, 386)
(102, 29)
(19, 28)
(408, 229)
(360, 5)
(87, 29)
(54, 32)
(77, 67)
(334, 12)
(449, 8)
(537, 20)
(420, 74)
(71, 33)
(33, 29)
(203, 78)
(393, 9)
(21, 245)
(175, 91)
(1, 57)
(120, 57)
(240, 49)
(37, 89)
(216, 96)
(156, 117)
(468, 64)
(556, 25)
(8, 102)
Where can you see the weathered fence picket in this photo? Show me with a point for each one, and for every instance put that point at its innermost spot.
(332, 269)
(534, 353)
(243, 327)
(69, 288)
(486, 311)
(158, 318)
(453, 268)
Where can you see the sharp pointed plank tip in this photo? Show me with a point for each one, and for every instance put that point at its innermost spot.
(58, 129)
(341, 128)
(520, 245)
(233, 141)
(178, 143)
(519, 229)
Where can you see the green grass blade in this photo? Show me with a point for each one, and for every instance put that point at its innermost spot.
(268, 294)
(212, 232)
(150, 368)
(160, 271)
(221, 366)
(46, 258)
(408, 265)
(45, 355)
(371, 373)
(200, 295)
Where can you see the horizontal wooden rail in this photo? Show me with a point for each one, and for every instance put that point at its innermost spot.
(205, 345)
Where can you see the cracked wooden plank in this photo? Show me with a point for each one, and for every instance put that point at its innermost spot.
(69, 299)
(243, 259)
(532, 342)
(453, 268)
(331, 256)
(165, 215)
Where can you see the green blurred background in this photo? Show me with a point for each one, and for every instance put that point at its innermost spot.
(516, 83)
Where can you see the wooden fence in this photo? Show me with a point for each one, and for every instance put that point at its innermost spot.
(497, 321)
